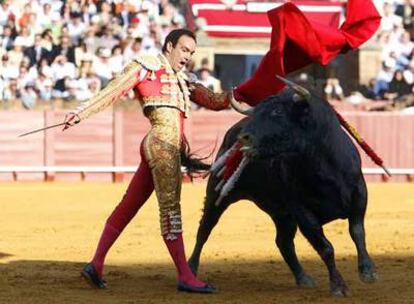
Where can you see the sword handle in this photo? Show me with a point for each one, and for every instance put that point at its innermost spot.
(69, 120)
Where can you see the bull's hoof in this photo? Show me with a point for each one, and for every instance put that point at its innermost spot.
(340, 291)
(368, 276)
(306, 281)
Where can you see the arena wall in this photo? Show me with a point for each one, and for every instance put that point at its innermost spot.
(112, 139)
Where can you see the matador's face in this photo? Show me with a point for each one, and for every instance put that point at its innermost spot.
(179, 55)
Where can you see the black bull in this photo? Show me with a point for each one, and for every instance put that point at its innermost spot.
(303, 171)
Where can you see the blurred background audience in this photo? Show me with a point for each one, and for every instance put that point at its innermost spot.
(67, 50)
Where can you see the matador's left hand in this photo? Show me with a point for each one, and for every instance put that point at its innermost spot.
(71, 119)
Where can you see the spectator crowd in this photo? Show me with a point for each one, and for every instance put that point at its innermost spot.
(395, 79)
(395, 38)
(70, 49)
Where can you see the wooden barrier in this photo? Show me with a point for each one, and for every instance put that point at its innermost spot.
(111, 140)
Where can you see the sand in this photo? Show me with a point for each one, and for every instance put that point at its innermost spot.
(49, 230)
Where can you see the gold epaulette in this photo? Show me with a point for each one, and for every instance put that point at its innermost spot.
(149, 62)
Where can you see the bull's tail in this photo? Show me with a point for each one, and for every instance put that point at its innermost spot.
(193, 164)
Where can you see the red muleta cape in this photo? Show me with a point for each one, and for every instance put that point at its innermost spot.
(297, 42)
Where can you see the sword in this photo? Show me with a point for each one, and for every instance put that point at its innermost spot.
(42, 129)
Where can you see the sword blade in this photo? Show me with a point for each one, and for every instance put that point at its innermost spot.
(42, 129)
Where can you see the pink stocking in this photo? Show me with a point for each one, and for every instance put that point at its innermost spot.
(138, 192)
(176, 249)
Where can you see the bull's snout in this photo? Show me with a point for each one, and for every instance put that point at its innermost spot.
(245, 139)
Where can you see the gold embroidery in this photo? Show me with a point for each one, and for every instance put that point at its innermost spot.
(162, 151)
(116, 88)
(167, 89)
(166, 64)
(185, 94)
(173, 95)
(183, 100)
(168, 78)
(160, 99)
(169, 101)
(149, 62)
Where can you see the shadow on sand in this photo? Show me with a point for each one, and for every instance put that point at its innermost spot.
(239, 281)
(4, 255)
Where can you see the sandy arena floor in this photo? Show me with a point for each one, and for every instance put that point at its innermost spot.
(48, 231)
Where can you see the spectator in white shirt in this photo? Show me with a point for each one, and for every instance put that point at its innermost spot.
(389, 19)
(8, 71)
(209, 81)
(134, 50)
(6, 12)
(25, 38)
(62, 68)
(24, 77)
(384, 78)
(152, 43)
(46, 16)
(107, 37)
(44, 86)
(91, 40)
(16, 54)
(76, 28)
(406, 45)
(11, 91)
(44, 68)
(116, 61)
(102, 67)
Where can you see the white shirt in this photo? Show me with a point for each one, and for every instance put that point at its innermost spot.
(116, 64)
(61, 71)
(76, 30)
(102, 68)
(9, 71)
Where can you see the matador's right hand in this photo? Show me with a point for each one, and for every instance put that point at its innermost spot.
(71, 119)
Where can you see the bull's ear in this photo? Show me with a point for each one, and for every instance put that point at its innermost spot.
(297, 98)
(301, 109)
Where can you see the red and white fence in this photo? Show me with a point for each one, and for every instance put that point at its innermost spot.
(106, 146)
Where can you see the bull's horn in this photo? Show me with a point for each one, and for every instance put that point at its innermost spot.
(301, 91)
(238, 106)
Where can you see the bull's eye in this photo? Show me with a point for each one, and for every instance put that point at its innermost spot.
(276, 112)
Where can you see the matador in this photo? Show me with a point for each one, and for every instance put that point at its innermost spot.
(164, 93)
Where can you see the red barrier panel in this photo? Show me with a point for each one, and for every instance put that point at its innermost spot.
(113, 138)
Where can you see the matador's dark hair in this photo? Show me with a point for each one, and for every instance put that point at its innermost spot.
(175, 35)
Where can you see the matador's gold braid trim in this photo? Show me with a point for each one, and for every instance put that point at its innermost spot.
(149, 62)
(116, 88)
(162, 151)
(184, 92)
